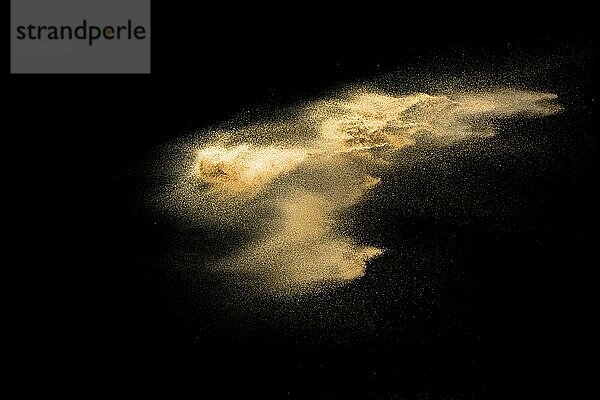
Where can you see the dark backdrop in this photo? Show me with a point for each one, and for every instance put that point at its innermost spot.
(91, 316)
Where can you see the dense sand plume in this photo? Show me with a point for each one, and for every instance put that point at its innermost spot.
(288, 183)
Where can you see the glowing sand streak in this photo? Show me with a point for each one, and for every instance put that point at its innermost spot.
(244, 168)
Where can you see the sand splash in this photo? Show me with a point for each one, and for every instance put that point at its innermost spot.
(291, 193)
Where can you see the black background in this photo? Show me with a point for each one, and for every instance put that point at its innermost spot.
(91, 316)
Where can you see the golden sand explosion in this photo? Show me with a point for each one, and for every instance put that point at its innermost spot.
(290, 193)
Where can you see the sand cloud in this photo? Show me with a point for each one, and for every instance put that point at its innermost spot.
(290, 193)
